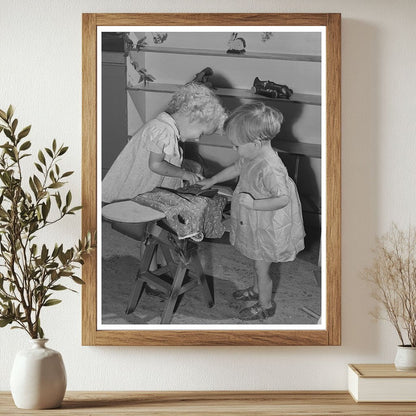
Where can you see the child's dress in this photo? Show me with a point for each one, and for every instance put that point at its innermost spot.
(274, 236)
(130, 174)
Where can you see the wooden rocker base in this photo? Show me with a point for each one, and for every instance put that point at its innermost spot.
(181, 260)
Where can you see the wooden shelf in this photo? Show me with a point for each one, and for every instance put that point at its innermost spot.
(232, 92)
(224, 54)
(299, 149)
(294, 148)
(221, 403)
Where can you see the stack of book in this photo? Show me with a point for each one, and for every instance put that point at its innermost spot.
(381, 383)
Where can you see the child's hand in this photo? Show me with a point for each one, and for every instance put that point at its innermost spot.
(246, 200)
(192, 178)
(206, 183)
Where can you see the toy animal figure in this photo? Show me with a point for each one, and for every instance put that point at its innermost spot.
(271, 89)
(159, 37)
(236, 45)
(141, 43)
(202, 77)
(145, 77)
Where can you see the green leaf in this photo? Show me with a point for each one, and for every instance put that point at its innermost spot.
(34, 249)
(44, 253)
(45, 211)
(63, 150)
(54, 145)
(49, 152)
(68, 198)
(56, 185)
(3, 115)
(5, 321)
(25, 145)
(14, 125)
(10, 112)
(51, 302)
(33, 187)
(41, 158)
(59, 287)
(67, 174)
(8, 133)
(39, 167)
(58, 199)
(24, 132)
(77, 208)
(76, 279)
(40, 331)
(37, 183)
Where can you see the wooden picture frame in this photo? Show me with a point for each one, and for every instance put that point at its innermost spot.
(330, 334)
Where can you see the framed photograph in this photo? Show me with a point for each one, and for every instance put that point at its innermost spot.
(256, 258)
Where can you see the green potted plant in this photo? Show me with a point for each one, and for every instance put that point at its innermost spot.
(31, 273)
(393, 277)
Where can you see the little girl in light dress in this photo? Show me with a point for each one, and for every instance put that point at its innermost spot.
(266, 214)
(153, 156)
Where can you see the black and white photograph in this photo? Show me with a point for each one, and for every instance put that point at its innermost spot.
(211, 178)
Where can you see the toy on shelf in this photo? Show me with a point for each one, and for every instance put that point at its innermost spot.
(265, 36)
(271, 89)
(202, 77)
(236, 45)
(145, 77)
(159, 37)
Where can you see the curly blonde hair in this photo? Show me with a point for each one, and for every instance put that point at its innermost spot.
(254, 121)
(199, 103)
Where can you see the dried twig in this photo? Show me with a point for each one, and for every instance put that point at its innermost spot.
(393, 276)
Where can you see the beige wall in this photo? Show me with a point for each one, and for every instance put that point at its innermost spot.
(40, 74)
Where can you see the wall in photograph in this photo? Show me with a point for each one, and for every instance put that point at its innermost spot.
(231, 71)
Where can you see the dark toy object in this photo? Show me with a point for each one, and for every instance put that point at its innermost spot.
(202, 77)
(271, 89)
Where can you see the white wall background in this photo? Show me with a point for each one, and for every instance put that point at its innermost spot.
(40, 74)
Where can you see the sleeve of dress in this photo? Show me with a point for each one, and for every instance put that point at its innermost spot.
(275, 182)
(159, 139)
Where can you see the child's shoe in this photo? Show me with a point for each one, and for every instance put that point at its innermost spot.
(246, 294)
(256, 311)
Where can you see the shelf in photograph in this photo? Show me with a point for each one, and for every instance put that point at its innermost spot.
(249, 55)
(310, 150)
(311, 99)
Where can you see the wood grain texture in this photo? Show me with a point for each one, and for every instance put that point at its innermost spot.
(333, 179)
(180, 403)
(89, 172)
(331, 336)
(380, 371)
(211, 19)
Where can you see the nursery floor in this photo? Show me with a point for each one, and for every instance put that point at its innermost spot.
(296, 285)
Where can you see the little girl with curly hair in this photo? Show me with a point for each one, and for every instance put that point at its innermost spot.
(153, 156)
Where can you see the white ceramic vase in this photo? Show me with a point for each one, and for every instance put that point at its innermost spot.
(405, 358)
(38, 377)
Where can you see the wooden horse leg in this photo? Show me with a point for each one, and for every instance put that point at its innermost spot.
(173, 297)
(138, 285)
(202, 280)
